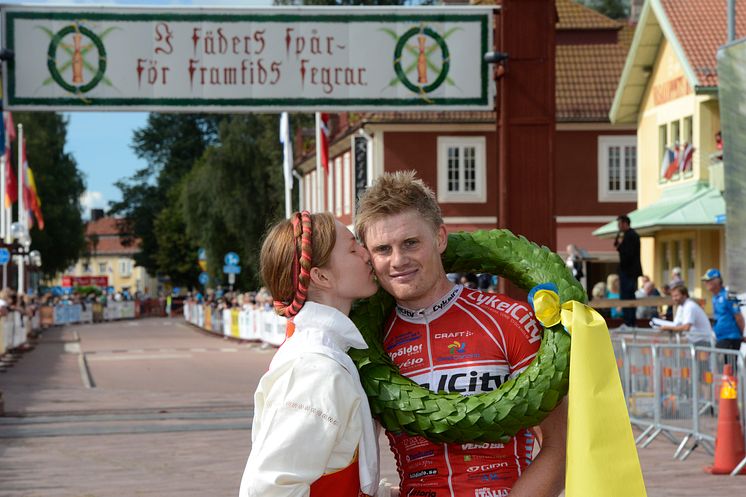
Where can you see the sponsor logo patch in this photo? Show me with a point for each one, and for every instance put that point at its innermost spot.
(424, 472)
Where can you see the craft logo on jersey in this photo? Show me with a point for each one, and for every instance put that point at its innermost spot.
(421, 59)
(76, 58)
(456, 346)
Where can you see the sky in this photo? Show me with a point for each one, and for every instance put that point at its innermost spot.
(101, 141)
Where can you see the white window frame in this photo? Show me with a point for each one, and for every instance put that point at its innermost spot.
(105, 270)
(347, 183)
(125, 267)
(479, 195)
(330, 188)
(604, 194)
(338, 186)
(314, 192)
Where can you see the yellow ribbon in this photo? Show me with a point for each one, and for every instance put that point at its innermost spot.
(598, 426)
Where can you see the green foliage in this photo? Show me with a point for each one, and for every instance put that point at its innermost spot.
(523, 401)
(59, 184)
(234, 192)
(615, 9)
(170, 143)
(86, 290)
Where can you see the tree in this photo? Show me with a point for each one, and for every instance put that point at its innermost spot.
(615, 9)
(59, 184)
(235, 191)
(170, 143)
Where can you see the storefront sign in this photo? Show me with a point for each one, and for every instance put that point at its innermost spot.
(99, 281)
(248, 60)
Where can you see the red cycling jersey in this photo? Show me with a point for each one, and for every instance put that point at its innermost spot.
(469, 342)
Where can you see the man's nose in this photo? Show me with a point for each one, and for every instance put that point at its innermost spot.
(398, 257)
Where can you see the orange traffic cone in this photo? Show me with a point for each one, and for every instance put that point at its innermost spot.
(729, 450)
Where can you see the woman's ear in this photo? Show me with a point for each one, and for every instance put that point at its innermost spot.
(320, 278)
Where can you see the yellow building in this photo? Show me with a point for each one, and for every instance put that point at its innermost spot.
(109, 260)
(669, 89)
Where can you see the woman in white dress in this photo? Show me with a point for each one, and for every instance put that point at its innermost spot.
(312, 432)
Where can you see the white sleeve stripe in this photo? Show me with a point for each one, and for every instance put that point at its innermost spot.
(504, 348)
(386, 335)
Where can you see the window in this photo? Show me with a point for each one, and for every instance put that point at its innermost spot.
(662, 140)
(675, 133)
(314, 198)
(679, 253)
(461, 169)
(86, 267)
(688, 130)
(330, 188)
(101, 268)
(347, 184)
(617, 168)
(125, 267)
(338, 186)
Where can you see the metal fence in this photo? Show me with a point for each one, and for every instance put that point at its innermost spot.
(673, 389)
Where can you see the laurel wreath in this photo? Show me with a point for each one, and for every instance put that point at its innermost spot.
(521, 402)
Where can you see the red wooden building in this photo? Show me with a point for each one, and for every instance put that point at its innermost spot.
(594, 171)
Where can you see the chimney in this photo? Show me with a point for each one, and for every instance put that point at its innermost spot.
(97, 214)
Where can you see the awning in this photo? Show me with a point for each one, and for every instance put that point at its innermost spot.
(693, 205)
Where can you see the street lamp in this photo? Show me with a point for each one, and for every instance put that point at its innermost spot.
(19, 232)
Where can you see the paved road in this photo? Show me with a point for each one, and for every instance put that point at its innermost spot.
(156, 408)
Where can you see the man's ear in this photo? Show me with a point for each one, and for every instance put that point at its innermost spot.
(320, 278)
(442, 237)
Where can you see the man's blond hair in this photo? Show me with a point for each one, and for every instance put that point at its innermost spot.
(394, 193)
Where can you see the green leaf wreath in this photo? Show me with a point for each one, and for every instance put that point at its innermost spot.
(524, 401)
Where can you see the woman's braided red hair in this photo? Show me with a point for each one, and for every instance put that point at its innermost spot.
(302, 236)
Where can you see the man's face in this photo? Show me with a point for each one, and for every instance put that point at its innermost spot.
(405, 252)
(713, 285)
(622, 225)
(677, 296)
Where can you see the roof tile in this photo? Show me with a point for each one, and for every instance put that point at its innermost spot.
(700, 27)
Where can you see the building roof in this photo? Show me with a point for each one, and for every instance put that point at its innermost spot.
(109, 239)
(696, 29)
(587, 77)
(682, 206)
(573, 15)
(700, 27)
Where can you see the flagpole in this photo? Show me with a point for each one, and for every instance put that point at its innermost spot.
(287, 162)
(320, 179)
(21, 211)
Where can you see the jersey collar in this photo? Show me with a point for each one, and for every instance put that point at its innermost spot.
(432, 311)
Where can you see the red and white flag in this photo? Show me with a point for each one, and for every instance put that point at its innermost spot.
(322, 140)
(673, 164)
(686, 158)
(11, 187)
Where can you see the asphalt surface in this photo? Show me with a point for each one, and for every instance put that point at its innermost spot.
(155, 407)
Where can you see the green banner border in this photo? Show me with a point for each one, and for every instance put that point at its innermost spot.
(13, 100)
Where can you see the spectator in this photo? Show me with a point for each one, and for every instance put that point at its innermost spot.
(648, 290)
(627, 243)
(599, 293)
(729, 321)
(574, 261)
(668, 314)
(690, 318)
(676, 278)
(612, 292)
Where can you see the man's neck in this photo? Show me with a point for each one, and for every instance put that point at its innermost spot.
(442, 288)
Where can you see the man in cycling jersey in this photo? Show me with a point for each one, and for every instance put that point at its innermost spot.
(450, 338)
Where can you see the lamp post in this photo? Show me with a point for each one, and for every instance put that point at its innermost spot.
(19, 232)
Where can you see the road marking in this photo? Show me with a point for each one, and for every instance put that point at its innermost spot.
(72, 431)
(85, 373)
(72, 348)
(229, 349)
(133, 357)
(198, 349)
(242, 414)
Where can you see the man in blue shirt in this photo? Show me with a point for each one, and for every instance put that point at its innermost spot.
(729, 321)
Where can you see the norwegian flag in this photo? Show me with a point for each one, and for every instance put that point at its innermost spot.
(322, 137)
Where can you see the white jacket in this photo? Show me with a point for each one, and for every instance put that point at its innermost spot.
(310, 411)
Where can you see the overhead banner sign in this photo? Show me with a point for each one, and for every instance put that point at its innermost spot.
(248, 60)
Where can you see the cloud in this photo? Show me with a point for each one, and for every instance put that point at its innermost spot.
(92, 200)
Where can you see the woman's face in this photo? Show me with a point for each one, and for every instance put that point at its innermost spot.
(350, 267)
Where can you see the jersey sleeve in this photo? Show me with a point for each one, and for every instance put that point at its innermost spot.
(305, 413)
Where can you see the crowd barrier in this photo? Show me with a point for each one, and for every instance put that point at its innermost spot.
(673, 390)
(89, 313)
(251, 324)
(14, 330)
